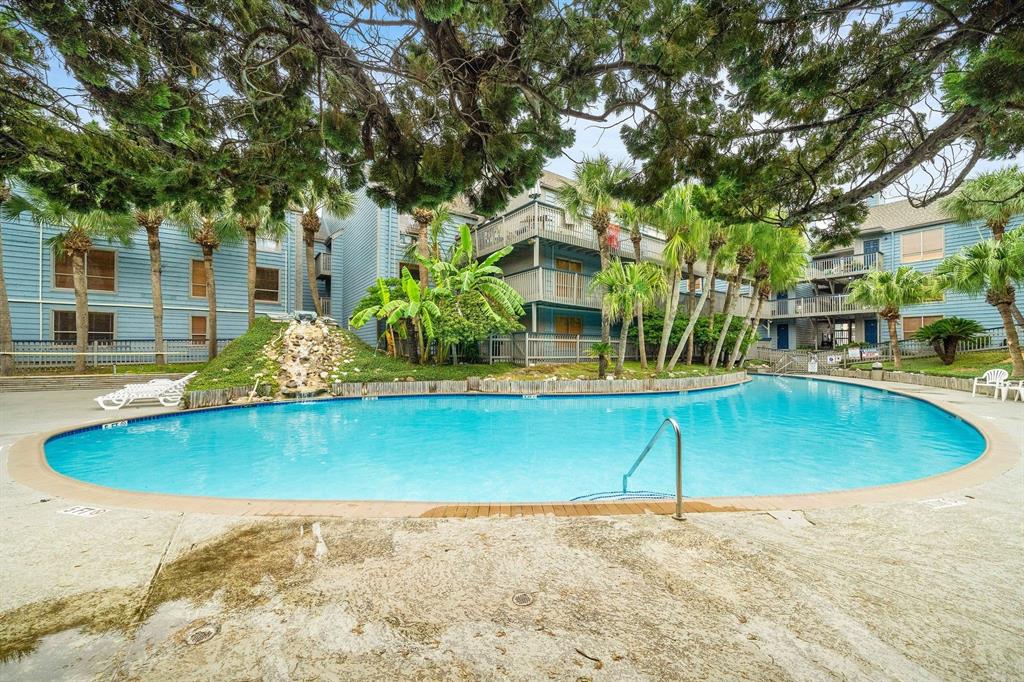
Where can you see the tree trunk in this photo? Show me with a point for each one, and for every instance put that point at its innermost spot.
(250, 275)
(156, 285)
(81, 309)
(6, 335)
(639, 312)
(691, 286)
(600, 225)
(747, 317)
(756, 325)
(423, 249)
(671, 304)
(704, 296)
(621, 359)
(731, 294)
(1012, 339)
(894, 344)
(421, 345)
(211, 304)
(1017, 316)
(311, 276)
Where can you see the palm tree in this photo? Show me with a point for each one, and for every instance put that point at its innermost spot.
(686, 239)
(781, 260)
(889, 292)
(590, 195)
(258, 224)
(314, 199)
(6, 333)
(746, 239)
(994, 197)
(992, 267)
(424, 218)
(209, 229)
(625, 286)
(78, 229)
(634, 218)
(716, 240)
(150, 220)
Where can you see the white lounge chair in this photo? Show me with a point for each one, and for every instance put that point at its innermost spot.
(994, 379)
(166, 391)
(1008, 386)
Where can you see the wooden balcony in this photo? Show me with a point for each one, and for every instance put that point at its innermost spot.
(325, 303)
(544, 285)
(845, 266)
(814, 306)
(322, 264)
(549, 222)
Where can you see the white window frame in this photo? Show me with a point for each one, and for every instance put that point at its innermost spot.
(53, 268)
(265, 300)
(920, 255)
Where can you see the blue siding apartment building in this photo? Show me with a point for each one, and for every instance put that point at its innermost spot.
(816, 312)
(39, 285)
(552, 264)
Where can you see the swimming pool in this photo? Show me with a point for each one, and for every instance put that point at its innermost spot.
(771, 436)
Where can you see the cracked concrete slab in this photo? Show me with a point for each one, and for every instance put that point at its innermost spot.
(885, 591)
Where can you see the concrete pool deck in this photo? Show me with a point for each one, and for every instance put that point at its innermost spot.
(928, 588)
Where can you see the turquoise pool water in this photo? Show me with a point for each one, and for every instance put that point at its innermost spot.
(770, 436)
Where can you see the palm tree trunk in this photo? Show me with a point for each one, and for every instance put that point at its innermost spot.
(250, 275)
(747, 317)
(311, 276)
(156, 285)
(621, 359)
(894, 344)
(1012, 339)
(423, 249)
(756, 324)
(1017, 316)
(211, 304)
(81, 309)
(639, 312)
(6, 335)
(691, 286)
(600, 224)
(704, 296)
(671, 304)
(730, 296)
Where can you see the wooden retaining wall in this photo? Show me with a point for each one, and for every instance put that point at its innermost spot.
(220, 396)
(194, 399)
(71, 382)
(954, 383)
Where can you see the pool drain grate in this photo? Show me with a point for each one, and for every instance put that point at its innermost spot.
(203, 633)
(522, 598)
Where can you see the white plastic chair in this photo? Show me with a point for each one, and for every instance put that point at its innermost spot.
(167, 392)
(994, 379)
(1011, 386)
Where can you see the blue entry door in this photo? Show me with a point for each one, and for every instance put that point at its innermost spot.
(782, 336)
(870, 331)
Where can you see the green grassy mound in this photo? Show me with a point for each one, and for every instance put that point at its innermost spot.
(241, 360)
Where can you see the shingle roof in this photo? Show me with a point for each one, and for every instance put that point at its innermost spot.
(553, 180)
(900, 215)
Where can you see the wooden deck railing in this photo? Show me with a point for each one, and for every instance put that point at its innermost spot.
(842, 266)
(322, 264)
(812, 306)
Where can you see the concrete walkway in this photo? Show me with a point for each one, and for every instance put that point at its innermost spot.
(917, 590)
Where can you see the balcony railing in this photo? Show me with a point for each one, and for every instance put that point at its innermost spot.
(814, 305)
(845, 266)
(322, 264)
(555, 286)
(537, 219)
(325, 305)
(528, 348)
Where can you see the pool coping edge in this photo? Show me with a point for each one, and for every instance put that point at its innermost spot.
(26, 464)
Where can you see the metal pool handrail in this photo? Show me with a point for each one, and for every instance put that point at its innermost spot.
(678, 516)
